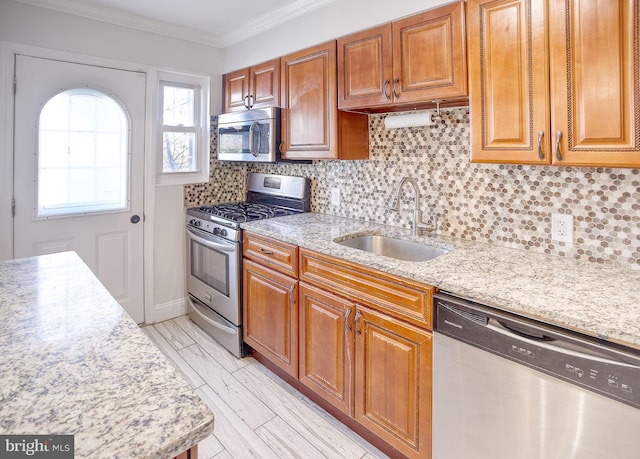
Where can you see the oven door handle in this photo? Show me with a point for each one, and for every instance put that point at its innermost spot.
(225, 247)
(198, 309)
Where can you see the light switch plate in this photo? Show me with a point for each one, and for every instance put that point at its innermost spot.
(562, 228)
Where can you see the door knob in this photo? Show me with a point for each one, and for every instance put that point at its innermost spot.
(135, 219)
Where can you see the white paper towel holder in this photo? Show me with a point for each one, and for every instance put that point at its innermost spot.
(414, 119)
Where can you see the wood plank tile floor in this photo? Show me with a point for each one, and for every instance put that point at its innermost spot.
(257, 414)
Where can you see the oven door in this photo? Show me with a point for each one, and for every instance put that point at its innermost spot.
(213, 273)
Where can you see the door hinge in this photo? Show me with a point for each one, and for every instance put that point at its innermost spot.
(13, 207)
(15, 84)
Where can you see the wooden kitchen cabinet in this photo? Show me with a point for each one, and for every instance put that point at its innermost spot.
(365, 336)
(357, 338)
(410, 62)
(370, 366)
(312, 126)
(327, 345)
(393, 381)
(271, 315)
(554, 82)
(253, 87)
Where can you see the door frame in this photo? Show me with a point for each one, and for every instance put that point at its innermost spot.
(8, 51)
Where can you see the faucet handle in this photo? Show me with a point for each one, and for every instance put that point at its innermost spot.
(394, 203)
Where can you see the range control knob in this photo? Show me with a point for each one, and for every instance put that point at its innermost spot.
(216, 231)
(223, 232)
(196, 223)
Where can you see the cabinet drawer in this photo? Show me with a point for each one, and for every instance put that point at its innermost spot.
(400, 297)
(278, 255)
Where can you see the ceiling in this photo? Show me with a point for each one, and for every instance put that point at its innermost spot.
(219, 23)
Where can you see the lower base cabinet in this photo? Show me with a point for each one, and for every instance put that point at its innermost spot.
(369, 365)
(393, 381)
(370, 362)
(271, 315)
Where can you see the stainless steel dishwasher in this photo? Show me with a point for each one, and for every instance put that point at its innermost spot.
(505, 387)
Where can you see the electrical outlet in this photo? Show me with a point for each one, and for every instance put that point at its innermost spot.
(562, 228)
(335, 196)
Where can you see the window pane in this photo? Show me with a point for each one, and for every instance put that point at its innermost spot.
(178, 106)
(179, 150)
(82, 154)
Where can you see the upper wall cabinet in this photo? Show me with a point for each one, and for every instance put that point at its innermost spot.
(554, 82)
(254, 87)
(312, 126)
(409, 62)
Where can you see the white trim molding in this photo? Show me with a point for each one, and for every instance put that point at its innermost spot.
(240, 33)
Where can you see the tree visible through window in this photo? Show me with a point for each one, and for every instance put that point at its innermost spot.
(83, 154)
(180, 110)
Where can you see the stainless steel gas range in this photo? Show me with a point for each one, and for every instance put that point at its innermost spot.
(214, 252)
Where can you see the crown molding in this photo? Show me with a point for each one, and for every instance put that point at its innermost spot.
(272, 19)
(121, 18)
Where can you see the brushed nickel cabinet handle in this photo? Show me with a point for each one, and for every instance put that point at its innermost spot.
(355, 323)
(384, 89)
(558, 153)
(292, 297)
(393, 87)
(540, 136)
(345, 319)
(246, 102)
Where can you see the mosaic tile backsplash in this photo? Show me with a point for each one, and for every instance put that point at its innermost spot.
(507, 205)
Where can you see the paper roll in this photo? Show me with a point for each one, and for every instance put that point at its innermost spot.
(408, 120)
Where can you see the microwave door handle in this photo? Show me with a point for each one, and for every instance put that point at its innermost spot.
(212, 244)
(251, 134)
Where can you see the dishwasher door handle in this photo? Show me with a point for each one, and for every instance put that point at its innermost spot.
(554, 345)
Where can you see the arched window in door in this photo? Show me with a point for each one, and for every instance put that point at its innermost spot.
(83, 154)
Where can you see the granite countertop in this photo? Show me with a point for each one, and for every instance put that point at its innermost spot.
(590, 298)
(74, 362)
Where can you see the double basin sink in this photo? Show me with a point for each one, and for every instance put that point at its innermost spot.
(393, 248)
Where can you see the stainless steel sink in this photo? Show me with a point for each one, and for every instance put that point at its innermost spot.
(394, 248)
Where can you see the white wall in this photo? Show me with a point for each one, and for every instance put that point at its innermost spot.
(28, 25)
(341, 17)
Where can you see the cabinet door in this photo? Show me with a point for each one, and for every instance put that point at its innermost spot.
(326, 345)
(508, 81)
(365, 68)
(271, 315)
(264, 87)
(393, 381)
(309, 94)
(594, 82)
(429, 55)
(236, 89)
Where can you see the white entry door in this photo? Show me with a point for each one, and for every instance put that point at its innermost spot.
(78, 169)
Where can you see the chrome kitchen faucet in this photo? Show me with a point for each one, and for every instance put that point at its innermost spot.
(417, 224)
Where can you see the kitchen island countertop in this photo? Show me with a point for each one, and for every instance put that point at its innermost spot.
(590, 298)
(74, 363)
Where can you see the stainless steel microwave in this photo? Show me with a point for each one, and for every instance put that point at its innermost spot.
(252, 135)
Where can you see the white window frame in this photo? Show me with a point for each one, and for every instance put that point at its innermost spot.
(202, 128)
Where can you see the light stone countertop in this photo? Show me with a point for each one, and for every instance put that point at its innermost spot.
(578, 295)
(74, 362)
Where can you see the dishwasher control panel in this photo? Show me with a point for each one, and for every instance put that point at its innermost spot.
(581, 360)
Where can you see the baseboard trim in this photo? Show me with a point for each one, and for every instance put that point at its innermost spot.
(170, 310)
